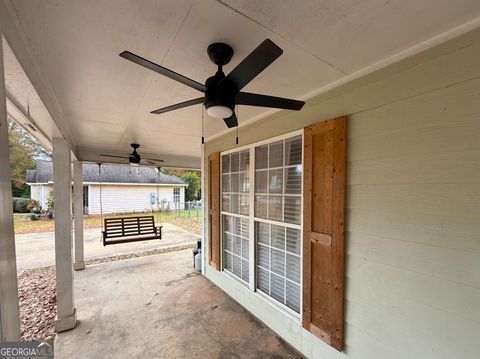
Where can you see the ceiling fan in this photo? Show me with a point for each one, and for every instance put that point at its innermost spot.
(222, 93)
(134, 158)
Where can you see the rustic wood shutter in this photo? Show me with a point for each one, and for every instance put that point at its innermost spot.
(214, 210)
(323, 231)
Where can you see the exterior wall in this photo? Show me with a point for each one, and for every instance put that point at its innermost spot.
(413, 208)
(40, 193)
(35, 192)
(128, 198)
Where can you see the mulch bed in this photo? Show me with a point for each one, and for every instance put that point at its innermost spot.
(38, 300)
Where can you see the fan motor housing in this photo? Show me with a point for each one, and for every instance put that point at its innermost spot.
(219, 96)
(216, 97)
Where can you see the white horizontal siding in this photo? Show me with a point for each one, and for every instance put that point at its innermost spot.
(121, 198)
(413, 209)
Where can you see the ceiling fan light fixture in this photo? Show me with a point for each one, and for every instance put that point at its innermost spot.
(219, 111)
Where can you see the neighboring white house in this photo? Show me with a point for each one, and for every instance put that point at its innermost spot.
(120, 188)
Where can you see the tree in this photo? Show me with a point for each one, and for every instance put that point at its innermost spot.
(24, 149)
(193, 181)
(178, 172)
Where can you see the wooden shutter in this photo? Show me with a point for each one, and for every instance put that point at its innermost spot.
(323, 230)
(214, 210)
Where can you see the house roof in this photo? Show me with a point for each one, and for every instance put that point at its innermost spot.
(109, 173)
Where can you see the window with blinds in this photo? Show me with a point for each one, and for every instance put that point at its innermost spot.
(278, 199)
(235, 211)
(263, 221)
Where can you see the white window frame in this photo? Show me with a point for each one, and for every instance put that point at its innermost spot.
(252, 285)
(179, 194)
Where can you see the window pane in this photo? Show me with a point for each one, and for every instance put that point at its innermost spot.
(244, 204)
(226, 202)
(245, 253)
(275, 208)
(234, 203)
(262, 232)
(245, 272)
(237, 269)
(293, 296)
(234, 162)
(225, 163)
(263, 280)
(226, 183)
(261, 181)
(278, 262)
(293, 151)
(244, 160)
(293, 240)
(275, 181)
(236, 228)
(237, 246)
(228, 261)
(244, 228)
(292, 209)
(227, 224)
(235, 182)
(227, 242)
(263, 256)
(261, 206)
(293, 180)
(278, 237)
(277, 287)
(261, 157)
(244, 182)
(275, 154)
(293, 268)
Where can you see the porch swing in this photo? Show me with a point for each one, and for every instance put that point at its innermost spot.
(118, 230)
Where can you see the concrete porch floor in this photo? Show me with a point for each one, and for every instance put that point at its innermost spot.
(158, 307)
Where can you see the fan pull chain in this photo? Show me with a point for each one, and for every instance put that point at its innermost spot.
(203, 138)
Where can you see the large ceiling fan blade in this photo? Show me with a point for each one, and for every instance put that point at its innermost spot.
(114, 156)
(231, 121)
(254, 99)
(253, 64)
(179, 105)
(162, 70)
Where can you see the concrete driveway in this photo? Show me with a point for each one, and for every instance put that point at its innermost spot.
(38, 249)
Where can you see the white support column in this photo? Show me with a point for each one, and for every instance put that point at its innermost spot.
(204, 194)
(62, 190)
(9, 315)
(79, 262)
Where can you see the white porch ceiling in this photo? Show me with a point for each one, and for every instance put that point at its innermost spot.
(105, 100)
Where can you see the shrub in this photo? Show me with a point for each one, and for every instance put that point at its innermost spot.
(50, 202)
(33, 216)
(33, 206)
(20, 204)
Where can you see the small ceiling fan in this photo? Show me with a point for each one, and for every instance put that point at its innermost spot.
(134, 158)
(222, 93)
